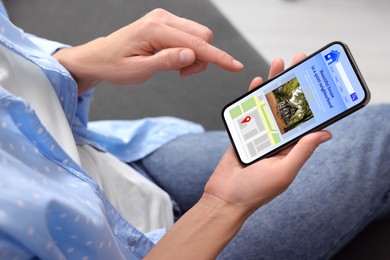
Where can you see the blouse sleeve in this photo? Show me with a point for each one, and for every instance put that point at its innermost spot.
(47, 46)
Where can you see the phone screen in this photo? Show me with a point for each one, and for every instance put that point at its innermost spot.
(308, 96)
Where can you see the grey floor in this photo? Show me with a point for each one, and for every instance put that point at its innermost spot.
(280, 28)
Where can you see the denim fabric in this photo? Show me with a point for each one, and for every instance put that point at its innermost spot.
(343, 187)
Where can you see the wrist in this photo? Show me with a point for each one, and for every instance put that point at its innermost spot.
(79, 62)
(237, 212)
(209, 225)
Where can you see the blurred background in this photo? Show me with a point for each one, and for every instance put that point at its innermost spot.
(255, 32)
(280, 28)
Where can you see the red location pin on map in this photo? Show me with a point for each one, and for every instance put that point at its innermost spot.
(246, 120)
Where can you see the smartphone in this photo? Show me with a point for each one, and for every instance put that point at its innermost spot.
(306, 97)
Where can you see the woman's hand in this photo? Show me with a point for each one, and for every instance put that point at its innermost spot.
(232, 194)
(159, 41)
(248, 188)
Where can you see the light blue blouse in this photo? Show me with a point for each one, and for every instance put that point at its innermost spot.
(49, 206)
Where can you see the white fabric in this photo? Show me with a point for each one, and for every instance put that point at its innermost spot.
(21, 77)
(140, 201)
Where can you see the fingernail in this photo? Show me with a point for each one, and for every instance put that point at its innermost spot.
(238, 64)
(325, 138)
(186, 57)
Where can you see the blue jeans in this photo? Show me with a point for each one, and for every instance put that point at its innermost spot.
(340, 190)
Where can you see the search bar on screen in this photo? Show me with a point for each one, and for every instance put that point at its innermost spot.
(345, 78)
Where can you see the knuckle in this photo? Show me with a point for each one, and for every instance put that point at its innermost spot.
(306, 151)
(202, 66)
(149, 25)
(155, 17)
(223, 54)
(197, 67)
(150, 22)
(158, 12)
(207, 35)
(164, 61)
(198, 42)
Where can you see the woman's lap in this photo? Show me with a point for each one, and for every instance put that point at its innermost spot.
(338, 192)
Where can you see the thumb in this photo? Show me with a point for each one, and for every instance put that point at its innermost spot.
(305, 147)
(172, 59)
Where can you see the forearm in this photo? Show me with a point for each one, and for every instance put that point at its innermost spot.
(202, 232)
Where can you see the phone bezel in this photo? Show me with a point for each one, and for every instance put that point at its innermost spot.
(328, 122)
